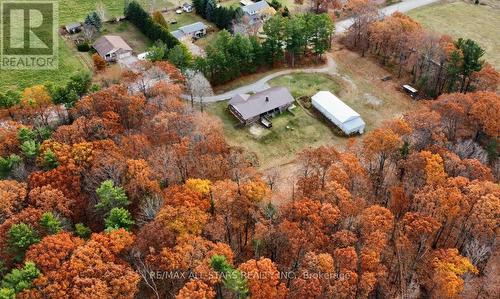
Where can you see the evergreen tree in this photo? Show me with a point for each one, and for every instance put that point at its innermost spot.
(94, 19)
(19, 238)
(18, 280)
(50, 223)
(180, 57)
(118, 218)
(110, 197)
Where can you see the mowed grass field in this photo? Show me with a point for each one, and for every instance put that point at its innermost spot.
(19, 79)
(76, 10)
(459, 19)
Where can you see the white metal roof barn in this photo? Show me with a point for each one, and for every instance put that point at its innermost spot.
(348, 120)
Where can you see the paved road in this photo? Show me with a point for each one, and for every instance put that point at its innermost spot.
(404, 6)
(330, 68)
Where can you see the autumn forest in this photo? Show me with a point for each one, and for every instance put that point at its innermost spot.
(123, 194)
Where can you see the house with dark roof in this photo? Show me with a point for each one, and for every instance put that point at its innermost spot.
(112, 48)
(195, 30)
(251, 108)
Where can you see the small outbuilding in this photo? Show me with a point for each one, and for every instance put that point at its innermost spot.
(412, 92)
(112, 48)
(73, 28)
(348, 120)
(251, 108)
(186, 7)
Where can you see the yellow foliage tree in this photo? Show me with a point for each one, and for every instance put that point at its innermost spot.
(434, 168)
(36, 96)
(199, 185)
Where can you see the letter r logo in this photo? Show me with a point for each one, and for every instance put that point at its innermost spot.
(28, 34)
(28, 27)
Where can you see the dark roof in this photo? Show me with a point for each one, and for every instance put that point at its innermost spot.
(250, 106)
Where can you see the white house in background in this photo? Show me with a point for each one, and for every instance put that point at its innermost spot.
(258, 11)
(195, 30)
(186, 7)
(112, 48)
(348, 120)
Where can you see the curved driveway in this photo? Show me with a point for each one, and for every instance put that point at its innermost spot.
(330, 67)
(260, 84)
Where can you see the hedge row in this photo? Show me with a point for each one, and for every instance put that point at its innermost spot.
(142, 20)
(221, 16)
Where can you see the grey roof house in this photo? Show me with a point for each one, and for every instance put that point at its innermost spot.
(254, 12)
(112, 48)
(195, 30)
(250, 108)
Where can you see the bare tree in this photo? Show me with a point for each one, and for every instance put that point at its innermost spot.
(197, 87)
(247, 27)
(89, 33)
(149, 207)
(146, 272)
(272, 177)
(477, 252)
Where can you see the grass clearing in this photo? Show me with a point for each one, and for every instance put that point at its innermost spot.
(77, 10)
(459, 19)
(183, 19)
(136, 39)
(20, 79)
(206, 40)
(374, 99)
(305, 84)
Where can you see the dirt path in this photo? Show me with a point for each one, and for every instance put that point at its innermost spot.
(329, 68)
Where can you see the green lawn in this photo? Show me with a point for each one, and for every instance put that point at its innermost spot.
(478, 22)
(229, 3)
(290, 132)
(206, 40)
(76, 10)
(136, 39)
(304, 84)
(20, 79)
(183, 19)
